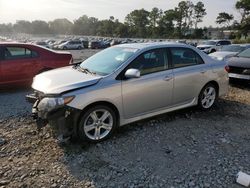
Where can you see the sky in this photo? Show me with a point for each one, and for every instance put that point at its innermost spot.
(12, 10)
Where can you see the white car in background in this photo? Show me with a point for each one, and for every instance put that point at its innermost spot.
(71, 45)
(229, 51)
(212, 46)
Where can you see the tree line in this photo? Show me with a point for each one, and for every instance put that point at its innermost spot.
(180, 22)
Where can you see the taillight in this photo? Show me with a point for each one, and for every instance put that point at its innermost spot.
(227, 68)
(71, 61)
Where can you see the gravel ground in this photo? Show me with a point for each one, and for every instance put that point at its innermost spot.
(182, 149)
(79, 55)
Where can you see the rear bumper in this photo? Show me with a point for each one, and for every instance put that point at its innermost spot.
(239, 76)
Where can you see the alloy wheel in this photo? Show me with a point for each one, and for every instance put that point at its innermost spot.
(98, 124)
(208, 97)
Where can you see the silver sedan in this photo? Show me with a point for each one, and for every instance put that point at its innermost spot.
(124, 84)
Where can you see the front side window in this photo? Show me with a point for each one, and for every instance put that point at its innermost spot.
(151, 61)
(182, 57)
(17, 53)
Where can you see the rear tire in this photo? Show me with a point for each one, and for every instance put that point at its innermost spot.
(97, 124)
(207, 97)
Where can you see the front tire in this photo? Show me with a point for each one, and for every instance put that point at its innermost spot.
(97, 124)
(207, 97)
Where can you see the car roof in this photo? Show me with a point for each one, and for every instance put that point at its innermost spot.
(153, 44)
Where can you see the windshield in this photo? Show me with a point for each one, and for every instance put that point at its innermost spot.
(232, 48)
(245, 53)
(210, 42)
(108, 60)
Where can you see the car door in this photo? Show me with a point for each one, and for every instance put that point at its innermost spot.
(18, 64)
(190, 75)
(153, 90)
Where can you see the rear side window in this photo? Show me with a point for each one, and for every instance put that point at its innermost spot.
(18, 53)
(183, 57)
(151, 61)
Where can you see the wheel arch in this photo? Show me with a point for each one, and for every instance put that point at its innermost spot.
(213, 82)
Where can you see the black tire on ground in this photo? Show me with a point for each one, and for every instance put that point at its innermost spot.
(86, 117)
(214, 95)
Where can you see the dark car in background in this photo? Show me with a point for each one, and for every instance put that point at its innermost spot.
(85, 43)
(19, 62)
(239, 66)
(98, 44)
(43, 44)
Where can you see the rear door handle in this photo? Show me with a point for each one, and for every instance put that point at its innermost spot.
(168, 78)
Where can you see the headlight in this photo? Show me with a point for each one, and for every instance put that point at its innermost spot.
(48, 104)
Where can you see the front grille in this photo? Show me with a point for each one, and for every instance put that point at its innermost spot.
(237, 70)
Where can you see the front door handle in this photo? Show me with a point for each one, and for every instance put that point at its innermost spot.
(168, 78)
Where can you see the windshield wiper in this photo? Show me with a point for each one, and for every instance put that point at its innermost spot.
(85, 70)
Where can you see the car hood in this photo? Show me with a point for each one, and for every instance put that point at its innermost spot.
(239, 62)
(63, 79)
(204, 46)
(223, 54)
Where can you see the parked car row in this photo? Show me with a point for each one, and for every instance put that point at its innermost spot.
(124, 84)
(103, 86)
(79, 44)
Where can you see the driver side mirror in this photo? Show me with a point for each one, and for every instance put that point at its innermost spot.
(132, 73)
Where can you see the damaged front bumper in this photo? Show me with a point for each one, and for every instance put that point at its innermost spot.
(60, 117)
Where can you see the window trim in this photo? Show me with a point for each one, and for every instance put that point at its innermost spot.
(26, 48)
(171, 59)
